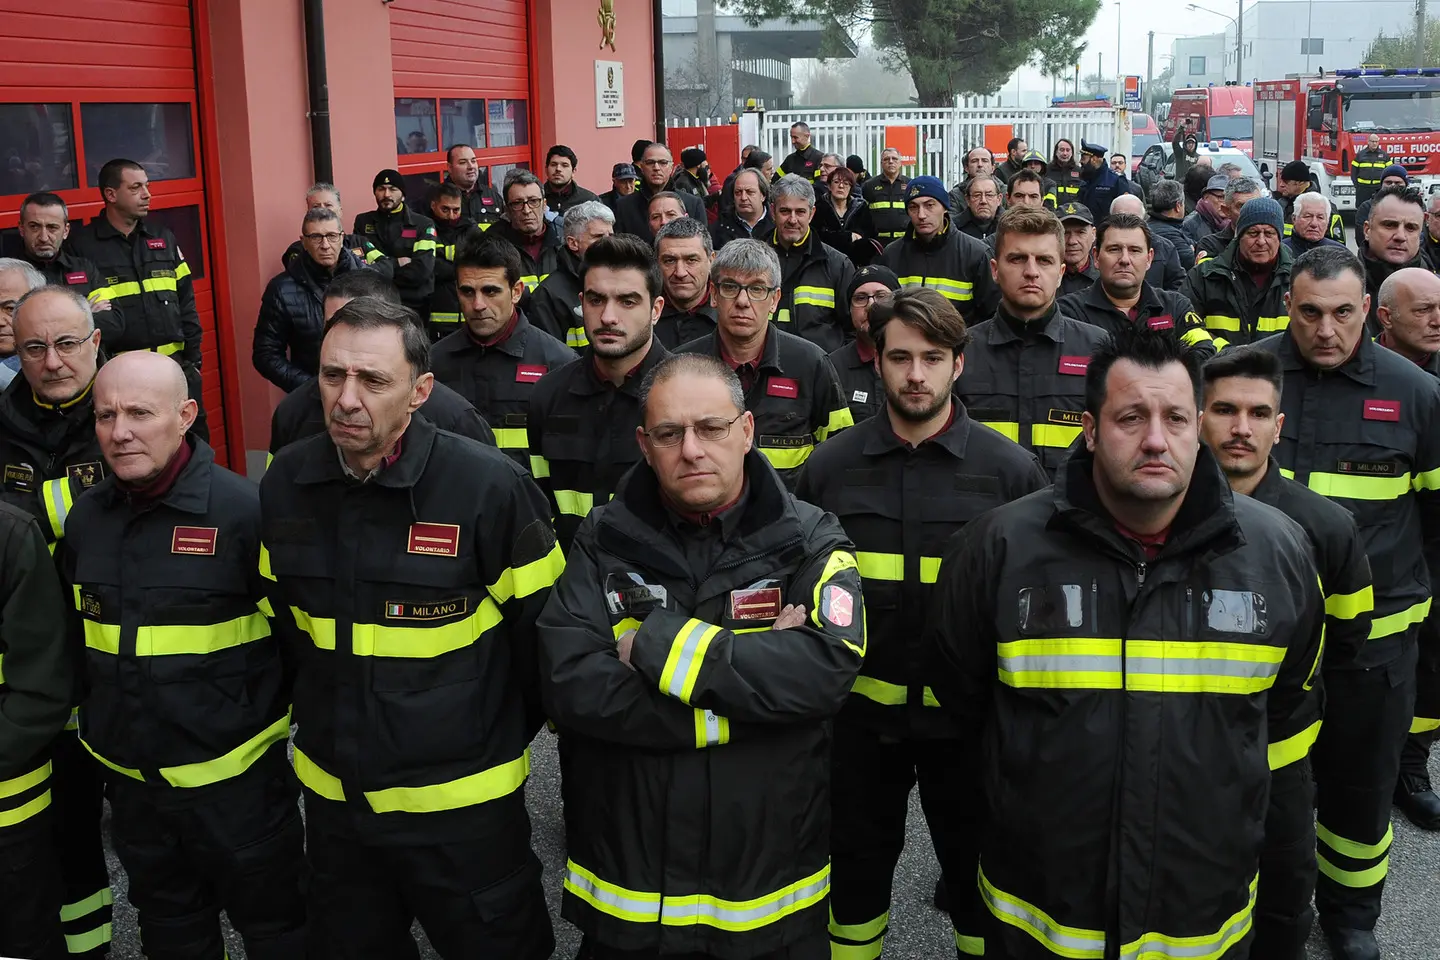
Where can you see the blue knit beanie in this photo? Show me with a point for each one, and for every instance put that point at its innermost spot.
(927, 187)
(1262, 211)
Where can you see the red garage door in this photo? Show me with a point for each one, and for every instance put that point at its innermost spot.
(462, 75)
(86, 81)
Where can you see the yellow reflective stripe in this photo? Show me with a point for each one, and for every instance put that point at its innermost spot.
(1427, 480)
(1053, 435)
(1202, 255)
(372, 255)
(573, 502)
(1218, 322)
(447, 251)
(1349, 486)
(629, 623)
(25, 781)
(2, 666)
(1399, 622)
(1282, 753)
(1289, 229)
(859, 932)
(929, 569)
(890, 694)
(1006, 428)
(316, 779)
(837, 562)
(59, 498)
(231, 764)
(1424, 724)
(950, 289)
(839, 420)
(438, 316)
(1072, 942)
(1196, 335)
(101, 293)
(880, 566)
(972, 946)
(1213, 946)
(540, 467)
(738, 916)
(1272, 324)
(1205, 666)
(576, 338)
(711, 730)
(531, 281)
(127, 771)
(782, 315)
(815, 296)
(422, 246)
(189, 639)
(1352, 848)
(96, 901)
(496, 782)
(182, 271)
(117, 290)
(265, 570)
(687, 654)
(1354, 879)
(78, 943)
(25, 811)
(511, 438)
(611, 899)
(787, 458)
(1348, 606)
(151, 284)
(529, 578)
(1061, 663)
(376, 640)
(170, 349)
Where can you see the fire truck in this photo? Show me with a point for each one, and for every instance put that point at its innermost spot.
(1324, 119)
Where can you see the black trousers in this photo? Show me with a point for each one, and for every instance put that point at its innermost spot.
(30, 891)
(1357, 761)
(239, 848)
(1287, 866)
(478, 899)
(870, 782)
(815, 948)
(1415, 755)
(79, 804)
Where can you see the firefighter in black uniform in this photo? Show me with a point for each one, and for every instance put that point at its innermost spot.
(811, 272)
(482, 204)
(1242, 422)
(537, 239)
(933, 253)
(555, 305)
(707, 628)
(50, 457)
(1076, 631)
(497, 357)
(1359, 429)
(144, 276)
(1124, 297)
(37, 686)
(1024, 369)
(901, 483)
(187, 704)
(1367, 167)
(683, 248)
(804, 160)
(403, 235)
(44, 228)
(443, 311)
(884, 196)
(1240, 293)
(854, 363)
(301, 413)
(583, 416)
(790, 387)
(415, 697)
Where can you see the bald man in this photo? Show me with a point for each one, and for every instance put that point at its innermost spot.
(188, 706)
(1166, 272)
(1409, 314)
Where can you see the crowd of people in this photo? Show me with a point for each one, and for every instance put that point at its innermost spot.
(1108, 520)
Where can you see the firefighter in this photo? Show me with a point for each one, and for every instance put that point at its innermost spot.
(527, 228)
(1024, 372)
(442, 313)
(657, 168)
(693, 177)
(44, 228)
(415, 695)
(37, 686)
(1295, 181)
(1238, 192)
(1241, 425)
(17, 278)
(1430, 243)
(1099, 185)
(1359, 430)
(1394, 175)
(884, 195)
(811, 271)
(683, 249)
(892, 482)
(301, 413)
(327, 196)
(582, 418)
(556, 303)
(1036, 163)
(1165, 271)
(934, 254)
(1392, 241)
(145, 276)
(405, 236)
(482, 205)
(1241, 292)
(187, 702)
(50, 457)
(750, 213)
(1410, 326)
(1124, 296)
(791, 390)
(285, 348)
(1028, 189)
(561, 190)
(1309, 215)
(805, 160)
(1366, 168)
(1080, 272)
(1065, 171)
(495, 360)
(706, 630)
(854, 363)
(1073, 636)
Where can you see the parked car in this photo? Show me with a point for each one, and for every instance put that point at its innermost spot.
(1158, 163)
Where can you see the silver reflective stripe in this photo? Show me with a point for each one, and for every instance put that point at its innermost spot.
(712, 729)
(683, 912)
(1041, 927)
(1152, 945)
(1195, 666)
(59, 509)
(687, 654)
(648, 908)
(1058, 663)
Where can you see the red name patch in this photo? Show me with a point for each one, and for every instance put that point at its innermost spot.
(197, 540)
(1383, 410)
(529, 373)
(1074, 366)
(74, 278)
(755, 604)
(440, 539)
(782, 387)
(407, 234)
(1162, 322)
(156, 244)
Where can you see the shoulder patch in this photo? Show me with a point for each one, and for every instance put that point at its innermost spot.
(837, 605)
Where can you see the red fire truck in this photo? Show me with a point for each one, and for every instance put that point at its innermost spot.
(1325, 119)
(1215, 113)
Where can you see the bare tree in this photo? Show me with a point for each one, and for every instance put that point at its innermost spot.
(691, 90)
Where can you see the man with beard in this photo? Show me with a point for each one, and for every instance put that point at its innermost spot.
(561, 190)
(657, 167)
(446, 203)
(1392, 241)
(482, 205)
(1209, 216)
(1240, 294)
(1238, 192)
(1079, 273)
(405, 236)
(693, 176)
(1309, 215)
(1100, 185)
(982, 206)
(683, 249)
(1024, 372)
(555, 306)
(855, 362)
(527, 228)
(884, 194)
(933, 253)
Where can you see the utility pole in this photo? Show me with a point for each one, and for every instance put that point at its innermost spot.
(1419, 33)
(1150, 74)
(1239, 41)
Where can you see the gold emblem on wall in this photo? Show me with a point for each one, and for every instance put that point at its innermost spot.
(607, 24)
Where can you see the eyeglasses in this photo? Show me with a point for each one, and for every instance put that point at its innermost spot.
(656, 163)
(324, 239)
(986, 195)
(68, 347)
(865, 299)
(534, 203)
(729, 289)
(710, 430)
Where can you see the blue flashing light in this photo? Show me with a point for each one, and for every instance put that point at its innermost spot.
(1226, 143)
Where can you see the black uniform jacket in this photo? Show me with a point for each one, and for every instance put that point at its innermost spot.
(74, 272)
(677, 326)
(1233, 308)
(404, 233)
(886, 202)
(696, 784)
(1158, 309)
(860, 384)
(953, 263)
(555, 303)
(813, 279)
(442, 312)
(286, 345)
(49, 454)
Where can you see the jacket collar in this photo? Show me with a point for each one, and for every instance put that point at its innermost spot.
(511, 346)
(1095, 296)
(1001, 331)
(1271, 485)
(190, 493)
(322, 461)
(769, 354)
(880, 437)
(1360, 367)
(589, 384)
(105, 230)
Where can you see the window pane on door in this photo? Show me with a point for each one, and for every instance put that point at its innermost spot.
(155, 135)
(462, 121)
(509, 123)
(37, 148)
(415, 126)
(184, 222)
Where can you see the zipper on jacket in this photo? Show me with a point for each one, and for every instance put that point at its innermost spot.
(1190, 613)
(1140, 569)
(741, 561)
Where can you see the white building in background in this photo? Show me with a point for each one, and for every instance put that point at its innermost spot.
(1289, 36)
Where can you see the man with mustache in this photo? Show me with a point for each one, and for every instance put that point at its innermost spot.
(401, 233)
(1240, 293)
(1241, 425)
